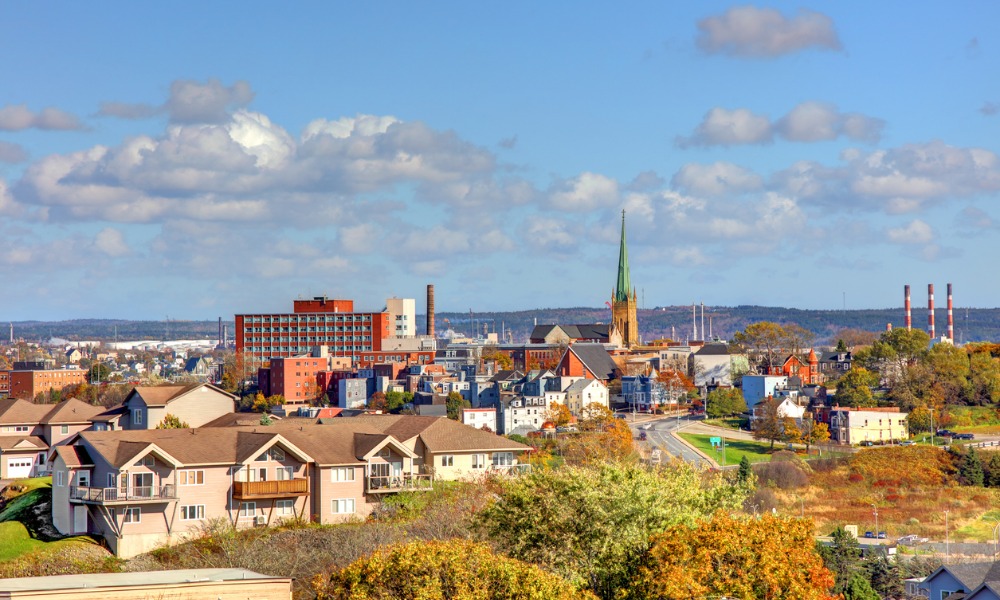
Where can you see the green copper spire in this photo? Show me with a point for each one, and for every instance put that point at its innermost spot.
(624, 286)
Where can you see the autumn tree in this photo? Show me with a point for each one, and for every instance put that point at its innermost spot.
(172, 422)
(98, 372)
(851, 339)
(814, 432)
(502, 360)
(984, 378)
(676, 382)
(455, 404)
(558, 414)
(395, 400)
(725, 402)
(725, 556)
(855, 388)
(591, 525)
(455, 568)
(237, 369)
(765, 338)
(378, 402)
(790, 433)
(767, 422)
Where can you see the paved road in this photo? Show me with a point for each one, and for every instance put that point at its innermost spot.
(658, 435)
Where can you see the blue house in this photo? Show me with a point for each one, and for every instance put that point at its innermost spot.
(970, 581)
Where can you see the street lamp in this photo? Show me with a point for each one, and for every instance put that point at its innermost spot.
(875, 509)
(946, 552)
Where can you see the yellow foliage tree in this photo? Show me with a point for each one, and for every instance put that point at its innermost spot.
(559, 414)
(769, 558)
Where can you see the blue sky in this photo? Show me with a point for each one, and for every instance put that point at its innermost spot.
(202, 159)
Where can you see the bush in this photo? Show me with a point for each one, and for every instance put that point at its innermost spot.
(783, 475)
(763, 500)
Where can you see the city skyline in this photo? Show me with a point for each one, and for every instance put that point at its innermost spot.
(197, 161)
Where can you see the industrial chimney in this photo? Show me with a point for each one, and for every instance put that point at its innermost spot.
(930, 309)
(430, 309)
(906, 301)
(951, 321)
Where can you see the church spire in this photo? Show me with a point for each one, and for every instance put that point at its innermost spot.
(624, 286)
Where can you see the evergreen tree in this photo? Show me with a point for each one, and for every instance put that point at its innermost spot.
(886, 576)
(745, 474)
(858, 588)
(842, 557)
(993, 479)
(972, 468)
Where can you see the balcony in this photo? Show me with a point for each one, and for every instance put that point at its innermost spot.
(375, 484)
(285, 488)
(113, 495)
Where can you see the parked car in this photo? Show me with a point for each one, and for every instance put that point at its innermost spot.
(945, 433)
(881, 535)
(869, 534)
(963, 436)
(907, 443)
(642, 435)
(867, 443)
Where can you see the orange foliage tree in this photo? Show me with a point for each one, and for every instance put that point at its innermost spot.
(455, 568)
(769, 558)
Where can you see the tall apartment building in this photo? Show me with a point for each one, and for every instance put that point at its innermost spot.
(28, 384)
(403, 312)
(322, 322)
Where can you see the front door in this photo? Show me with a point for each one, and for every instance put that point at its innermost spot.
(79, 519)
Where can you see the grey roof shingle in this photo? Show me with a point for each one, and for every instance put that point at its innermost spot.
(596, 358)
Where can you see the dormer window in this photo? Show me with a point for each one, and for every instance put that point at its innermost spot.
(276, 454)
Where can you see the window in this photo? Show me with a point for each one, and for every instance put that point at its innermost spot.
(447, 460)
(145, 461)
(275, 454)
(112, 480)
(20, 429)
(503, 459)
(193, 512)
(60, 478)
(248, 509)
(342, 474)
(131, 515)
(478, 461)
(64, 429)
(284, 473)
(343, 506)
(284, 507)
(137, 416)
(191, 477)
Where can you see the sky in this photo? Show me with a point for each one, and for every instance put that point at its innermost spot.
(193, 160)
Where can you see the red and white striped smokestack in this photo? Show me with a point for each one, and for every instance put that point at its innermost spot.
(951, 321)
(930, 309)
(906, 301)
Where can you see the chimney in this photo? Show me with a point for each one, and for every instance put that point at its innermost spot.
(694, 321)
(702, 320)
(221, 341)
(430, 309)
(906, 301)
(951, 321)
(930, 309)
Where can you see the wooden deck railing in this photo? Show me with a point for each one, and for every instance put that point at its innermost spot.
(114, 494)
(290, 487)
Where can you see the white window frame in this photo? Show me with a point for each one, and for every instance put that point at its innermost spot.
(342, 474)
(478, 461)
(503, 459)
(447, 460)
(188, 477)
(248, 510)
(285, 507)
(132, 515)
(21, 429)
(146, 461)
(197, 509)
(345, 503)
(284, 473)
(112, 480)
(63, 430)
(137, 416)
(60, 478)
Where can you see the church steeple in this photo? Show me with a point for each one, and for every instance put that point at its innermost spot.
(623, 299)
(623, 288)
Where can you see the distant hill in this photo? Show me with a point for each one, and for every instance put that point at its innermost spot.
(971, 325)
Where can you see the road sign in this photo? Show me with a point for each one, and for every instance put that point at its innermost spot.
(716, 441)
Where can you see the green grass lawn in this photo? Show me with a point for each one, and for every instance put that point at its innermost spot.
(733, 423)
(981, 529)
(15, 538)
(735, 449)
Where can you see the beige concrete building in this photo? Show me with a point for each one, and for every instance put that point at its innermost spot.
(874, 425)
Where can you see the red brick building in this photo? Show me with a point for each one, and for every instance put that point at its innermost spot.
(806, 370)
(4, 384)
(317, 322)
(28, 384)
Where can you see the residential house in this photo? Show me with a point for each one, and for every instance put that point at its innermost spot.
(976, 581)
(198, 367)
(194, 404)
(139, 489)
(807, 370)
(713, 365)
(877, 425)
(758, 387)
(28, 430)
(587, 360)
(834, 364)
(597, 333)
(480, 418)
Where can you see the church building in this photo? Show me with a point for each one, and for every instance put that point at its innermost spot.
(623, 299)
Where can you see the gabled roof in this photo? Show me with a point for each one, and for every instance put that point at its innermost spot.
(367, 445)
(15, 411)
(983, 591)
(72, 411)
(161, 395)
(713, 350)
(22, 442)
(580, 385)
(585, 331)
(74, 456)
(596, 359)
(507, 375)
(972, 575)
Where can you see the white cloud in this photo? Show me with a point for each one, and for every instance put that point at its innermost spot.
(554, 236)
(764, 32)
(715, 179)
(806, 122)
(19, 117)
(208, 102)
(586, 192)
(124, 110)
(111, 242)
(722, 127)
(915, 232)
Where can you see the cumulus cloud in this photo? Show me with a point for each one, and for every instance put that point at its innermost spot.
(914, 232)
(586, 192)
(209, 102)
(975, 218)
(124, 110)
(716, 179)
(19, 117)
(722, 127)
(764, 32)
(806, 122)
(111, 242)
(12, 153)
(551, 235)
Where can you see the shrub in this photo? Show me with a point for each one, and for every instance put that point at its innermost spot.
(783, 475)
